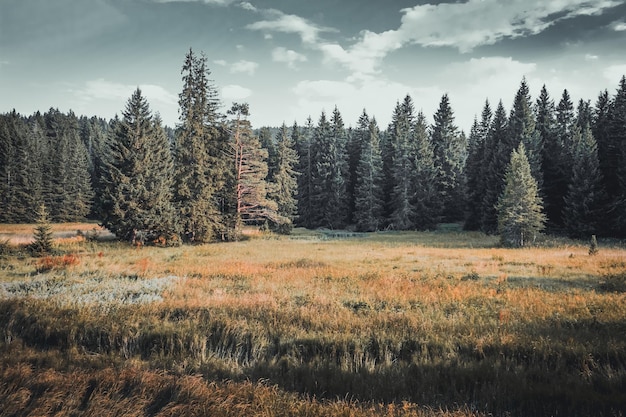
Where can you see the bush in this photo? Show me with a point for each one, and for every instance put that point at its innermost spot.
(49, 263)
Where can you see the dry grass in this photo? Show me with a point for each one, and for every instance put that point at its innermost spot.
(399, 323)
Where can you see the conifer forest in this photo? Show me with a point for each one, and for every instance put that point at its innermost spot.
(212, 173)
(328, 267)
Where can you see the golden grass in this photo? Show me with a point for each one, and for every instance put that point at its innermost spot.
(399, 322)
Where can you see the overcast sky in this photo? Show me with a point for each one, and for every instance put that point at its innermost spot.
(293, 58)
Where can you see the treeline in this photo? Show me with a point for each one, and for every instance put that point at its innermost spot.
(213, 173)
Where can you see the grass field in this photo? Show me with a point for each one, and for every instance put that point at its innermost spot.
(396, 324)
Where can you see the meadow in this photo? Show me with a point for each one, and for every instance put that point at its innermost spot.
(313, 324)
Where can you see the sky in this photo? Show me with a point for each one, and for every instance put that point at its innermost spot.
(291, 59)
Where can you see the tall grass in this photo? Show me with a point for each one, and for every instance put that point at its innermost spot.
(388, 323)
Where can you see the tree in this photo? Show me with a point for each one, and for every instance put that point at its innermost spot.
(585, 198)
(475, 168)
(285, 182)
(496, 157)
(520, 216)
(303, 139)
(424, 193)
(137, 177)
(249, 172)
(43, 233)
(403, 158)
(522, 128)
(450, 151)
(368, 195)
(201, 172)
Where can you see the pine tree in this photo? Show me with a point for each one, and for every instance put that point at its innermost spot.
(582, 214)
(497, 153)
(303, 141)
(424, 193)
(368, 191)
(267, 142)
(356, 143)
(475, 168)
(617, 138)
(522, 128)
(249, 161)
(201, 172)
(450, 150)
(137, 177)
(520, 217)
(43, 233)
(285, 182)
(402, 142)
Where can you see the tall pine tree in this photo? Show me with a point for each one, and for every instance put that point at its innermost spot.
(200, 167)
(450, 150)
(137, 177)
(520, 216)
(368, 196)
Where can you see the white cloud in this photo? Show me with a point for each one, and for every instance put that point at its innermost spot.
(247, 6)
(614, 73)
(463, 26)
(244, 67)
(278, 21)
(591, 57)
(102, 89)
(220, 62)
(288, 56)
(619, 26)
(235, 92)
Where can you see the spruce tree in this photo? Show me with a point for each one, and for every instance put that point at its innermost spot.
(403, 157)
(424, 193)
(303, 140)
(267, 142)
(617, 138)
(522, 128)
(200, 173)
(497, 153)
(475, 168)
(450, 150)
(520, 216)
(582, 213)
(43, 233)
(356, 142)
(368, 195)
(137, 177)
(285, 182)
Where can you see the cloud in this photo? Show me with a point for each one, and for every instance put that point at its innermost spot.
(220, 62)
(463, 26)
(614, 73)
(619, 26)
(591, 57)
(247, 6)
(244, 67)
(102, 89)
(278, 21)
(235, 92)
(291, 58)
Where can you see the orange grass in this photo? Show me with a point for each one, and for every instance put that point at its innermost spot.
(441, 320)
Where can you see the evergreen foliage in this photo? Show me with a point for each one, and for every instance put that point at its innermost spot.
(249, 163)
(43, 233)
(520, 216)
(137, 177)
(496, 155)
(450, 151)
(284, 182)
(475, 171)
(201, 173)
(368, 195)
(585, 196)
(403, 157)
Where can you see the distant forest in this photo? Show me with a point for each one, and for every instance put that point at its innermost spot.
(203, 179)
